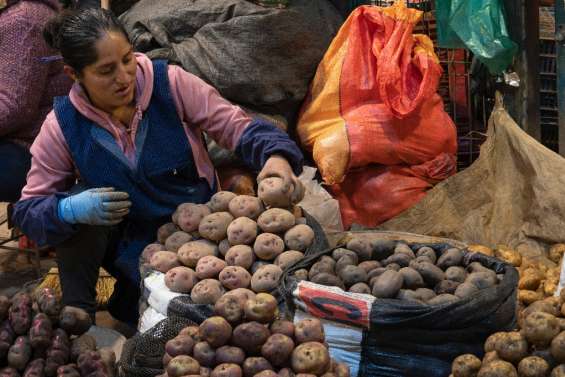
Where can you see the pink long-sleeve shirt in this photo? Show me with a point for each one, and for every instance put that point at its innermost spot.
(199, 106)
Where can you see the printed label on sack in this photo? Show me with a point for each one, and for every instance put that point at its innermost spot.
(561, 279)
(334, 304)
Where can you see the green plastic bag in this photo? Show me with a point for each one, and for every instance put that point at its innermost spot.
(479, 26)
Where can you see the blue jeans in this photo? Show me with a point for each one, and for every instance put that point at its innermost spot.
(15, 162)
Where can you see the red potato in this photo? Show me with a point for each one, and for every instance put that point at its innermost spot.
(49, 303)
(204, 354)
(286, 372)
(204, 372)
(266, 278)
(229, 307)
(242, 231)
(299, 237)
(278, 349)
(369, 265)
(163, 261)
(219, 202)
(82, 344)
(180, 279)
(227, 370)
(179, 345)
(165, 231)
(216, 331)
(20, 313)
(91, 362)
(240, 255)
(233, 277)
(209, 267)
(176, 240)
(242, 295)
(214, 227)
(149, 251)
(276, 220)
(255, 365)
(246, 206)
(267, 373)
(207, 292)
(263, 308)
(310, 357)
(40, 331)
(288, 258)
(268, 246)
(68, 371)
(257, 265)
(274, 193)
(309, 330)
(10, 372)
(75, 321)
(35, 368)
(192, 331)
(182, 366)
(250, 337)
(58, 353)
(190, 215)
(19, 353)
(191, 252)
(230, 354)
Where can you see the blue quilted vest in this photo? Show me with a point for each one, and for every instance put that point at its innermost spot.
(164, 175)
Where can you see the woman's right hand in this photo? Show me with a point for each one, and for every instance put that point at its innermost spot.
(99, 206)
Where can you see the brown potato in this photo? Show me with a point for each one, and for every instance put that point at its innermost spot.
(242, 295)
(179, 345)
(341, 370)
(558, 371)
(388, 284)
(352, 275)
(276, 220)
(498, 368)
(481, 249)
(546, 355)
(242, 231)
(149, 251)
(344, 261)
(533, 366)
(288, 258)
(278, 349)
(540, 328)
(75, 321)
(207, 292)
(302, 274)
(268, 246)
(442, 299)
(492, 341)
(164, 260)
(182, 365)
(282, 326)
(558, 347)
(310, 357)
(250, 336)
(320, 267)
(451, 257)
(209, 267)
(512, 347)
(369, 265)
(219, 202)
(190, 253)
(224, 246)
(215, 226)
(227, 370)
(285, 372)
(246, 206)
(216, 331)
(411, 278)
(267, 373)
(427, 252)
(274, 193)
(176, 240)
(376, 272)
(556, 252)
(180, 279)
(329, 280)
(467, 365)
(360, 288)
(490, 357)
(509, 256)
(446, 286)
(456, 273)
(408, 295)
(204, 354)
(230, 354)
(233, 277)
(165, 231)
(466, 290)
(299, 237)
(529, 297)
(425, 294)
(240, 255)
(228, 307)
(402, 248)
(255, 365)
(190, 215)
(266, 278)
(309, 330)
(430, 273)
(263, 308)
(482, 280)
(401, 259)
(341, 252)
(257, 265)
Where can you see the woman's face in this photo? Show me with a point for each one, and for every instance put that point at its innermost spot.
(110, 81)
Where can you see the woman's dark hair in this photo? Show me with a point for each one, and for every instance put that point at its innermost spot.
(75, 33)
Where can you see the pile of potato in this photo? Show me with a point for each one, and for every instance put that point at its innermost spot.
(389, 269)
(537, 350)
(233, 241)
(39, 338)
(244, 339)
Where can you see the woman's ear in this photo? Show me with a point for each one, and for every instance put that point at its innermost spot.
(69, 71)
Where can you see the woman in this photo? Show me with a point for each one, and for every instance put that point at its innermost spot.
(28, 83)
(131, 129)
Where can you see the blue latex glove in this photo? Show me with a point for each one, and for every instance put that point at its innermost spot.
(99, 206)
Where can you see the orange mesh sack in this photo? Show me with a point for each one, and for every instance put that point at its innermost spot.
(373, 99)
(374, 194)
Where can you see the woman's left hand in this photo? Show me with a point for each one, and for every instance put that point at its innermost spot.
(278, 166)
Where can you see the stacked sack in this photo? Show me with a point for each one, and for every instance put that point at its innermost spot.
(373, 120)
(233, 243)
